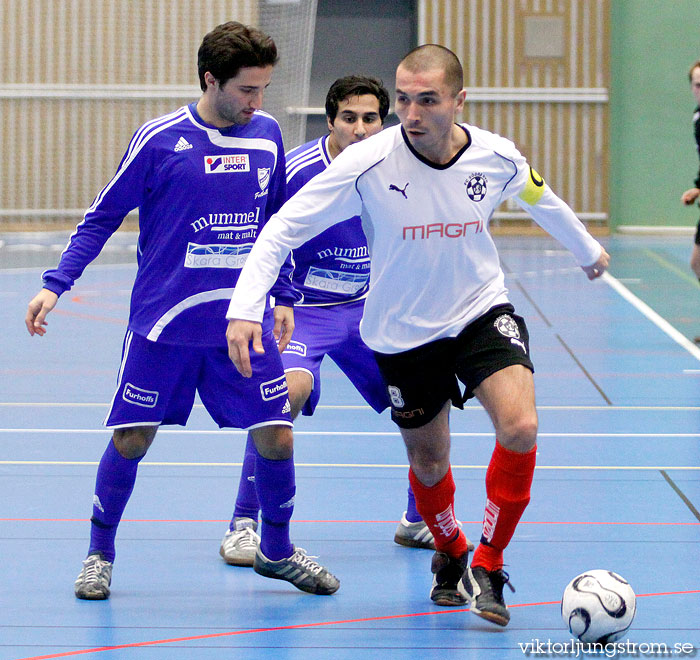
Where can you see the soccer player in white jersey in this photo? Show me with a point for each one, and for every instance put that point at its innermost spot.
(437, 311)
(205, 178)
(332, 273)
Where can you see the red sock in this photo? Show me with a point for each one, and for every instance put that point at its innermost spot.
(436, 506)
(508, 481)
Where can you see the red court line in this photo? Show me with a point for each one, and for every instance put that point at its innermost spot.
(298, 626)
(79, 300)
(89, 317)
(362, 522)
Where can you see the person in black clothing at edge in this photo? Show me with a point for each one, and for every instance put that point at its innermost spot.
(692, 194)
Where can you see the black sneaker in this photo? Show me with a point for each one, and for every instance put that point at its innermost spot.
(300, 569)
(449, 575)
(485, 588)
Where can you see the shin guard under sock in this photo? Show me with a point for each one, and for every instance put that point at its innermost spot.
(115, 480)
(276, 487)
(247, 504)
(412, 514)
(436, 506)
(508, 481)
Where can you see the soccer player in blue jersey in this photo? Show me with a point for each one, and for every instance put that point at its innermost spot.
(332, 273)
(205, 179)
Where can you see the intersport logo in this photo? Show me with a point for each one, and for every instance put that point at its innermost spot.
(226, 164)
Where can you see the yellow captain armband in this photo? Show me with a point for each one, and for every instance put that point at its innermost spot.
(533, 190)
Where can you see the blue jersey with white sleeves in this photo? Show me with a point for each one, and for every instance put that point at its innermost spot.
(334, 266)
(203, 195)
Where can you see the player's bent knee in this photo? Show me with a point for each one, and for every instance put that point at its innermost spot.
(300, 385)
(297, 401)
(276, 443)
(520, 435)
(133, 442)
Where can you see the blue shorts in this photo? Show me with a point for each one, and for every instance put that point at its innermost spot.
(157, 383)
(334, 330)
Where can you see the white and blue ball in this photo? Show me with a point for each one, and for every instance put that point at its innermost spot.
(598, 606)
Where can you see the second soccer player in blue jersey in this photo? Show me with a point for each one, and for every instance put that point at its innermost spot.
(332, 273)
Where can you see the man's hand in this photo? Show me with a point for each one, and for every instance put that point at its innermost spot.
(239, 335)
(599, 267)
(38, 308)
(284, 325)
(689, 196)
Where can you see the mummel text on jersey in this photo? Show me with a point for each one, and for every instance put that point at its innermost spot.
(332, 267)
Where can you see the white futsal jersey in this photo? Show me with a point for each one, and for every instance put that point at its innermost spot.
(434, 265)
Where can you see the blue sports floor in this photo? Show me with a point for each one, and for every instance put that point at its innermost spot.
(617, 484)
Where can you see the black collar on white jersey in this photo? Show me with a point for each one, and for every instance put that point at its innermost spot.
(430, 163)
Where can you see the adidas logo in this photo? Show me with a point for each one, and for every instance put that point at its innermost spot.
(287, 407)
(182, 144)
(288, 504)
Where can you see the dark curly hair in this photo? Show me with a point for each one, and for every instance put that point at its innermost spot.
(232, 46)
(348, 86)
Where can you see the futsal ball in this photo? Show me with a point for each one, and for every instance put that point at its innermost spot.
(598, 606)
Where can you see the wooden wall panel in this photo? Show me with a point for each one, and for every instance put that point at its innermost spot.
(555, 108)
(78, 77)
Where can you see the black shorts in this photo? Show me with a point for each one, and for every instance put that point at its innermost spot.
(697, 234)
(421, 380)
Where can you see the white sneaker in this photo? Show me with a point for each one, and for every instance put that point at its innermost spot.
(414, 535)
(239, 545)
(94, 579)
(418, 535)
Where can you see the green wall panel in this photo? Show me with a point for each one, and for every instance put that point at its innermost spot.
(653, 156)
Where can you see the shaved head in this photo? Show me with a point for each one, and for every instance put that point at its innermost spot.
(432, 56)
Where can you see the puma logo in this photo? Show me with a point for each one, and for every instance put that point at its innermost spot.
(401, 190)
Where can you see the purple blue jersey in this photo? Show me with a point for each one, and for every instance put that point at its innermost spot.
(203, 196)
(332, 273)
(332, 267)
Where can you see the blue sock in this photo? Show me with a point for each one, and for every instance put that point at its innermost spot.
(276, 486)
(247, 505)
(116, 476)
(412, 514)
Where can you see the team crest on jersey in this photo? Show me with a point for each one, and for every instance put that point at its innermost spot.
(476, 186)
(506, 325)
(226, 164)
(263, 177)
(263, 181)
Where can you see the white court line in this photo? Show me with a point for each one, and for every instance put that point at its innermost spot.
(394, 434)
(655, 318)
(40, 269)
(54, 404)
(365, 465)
